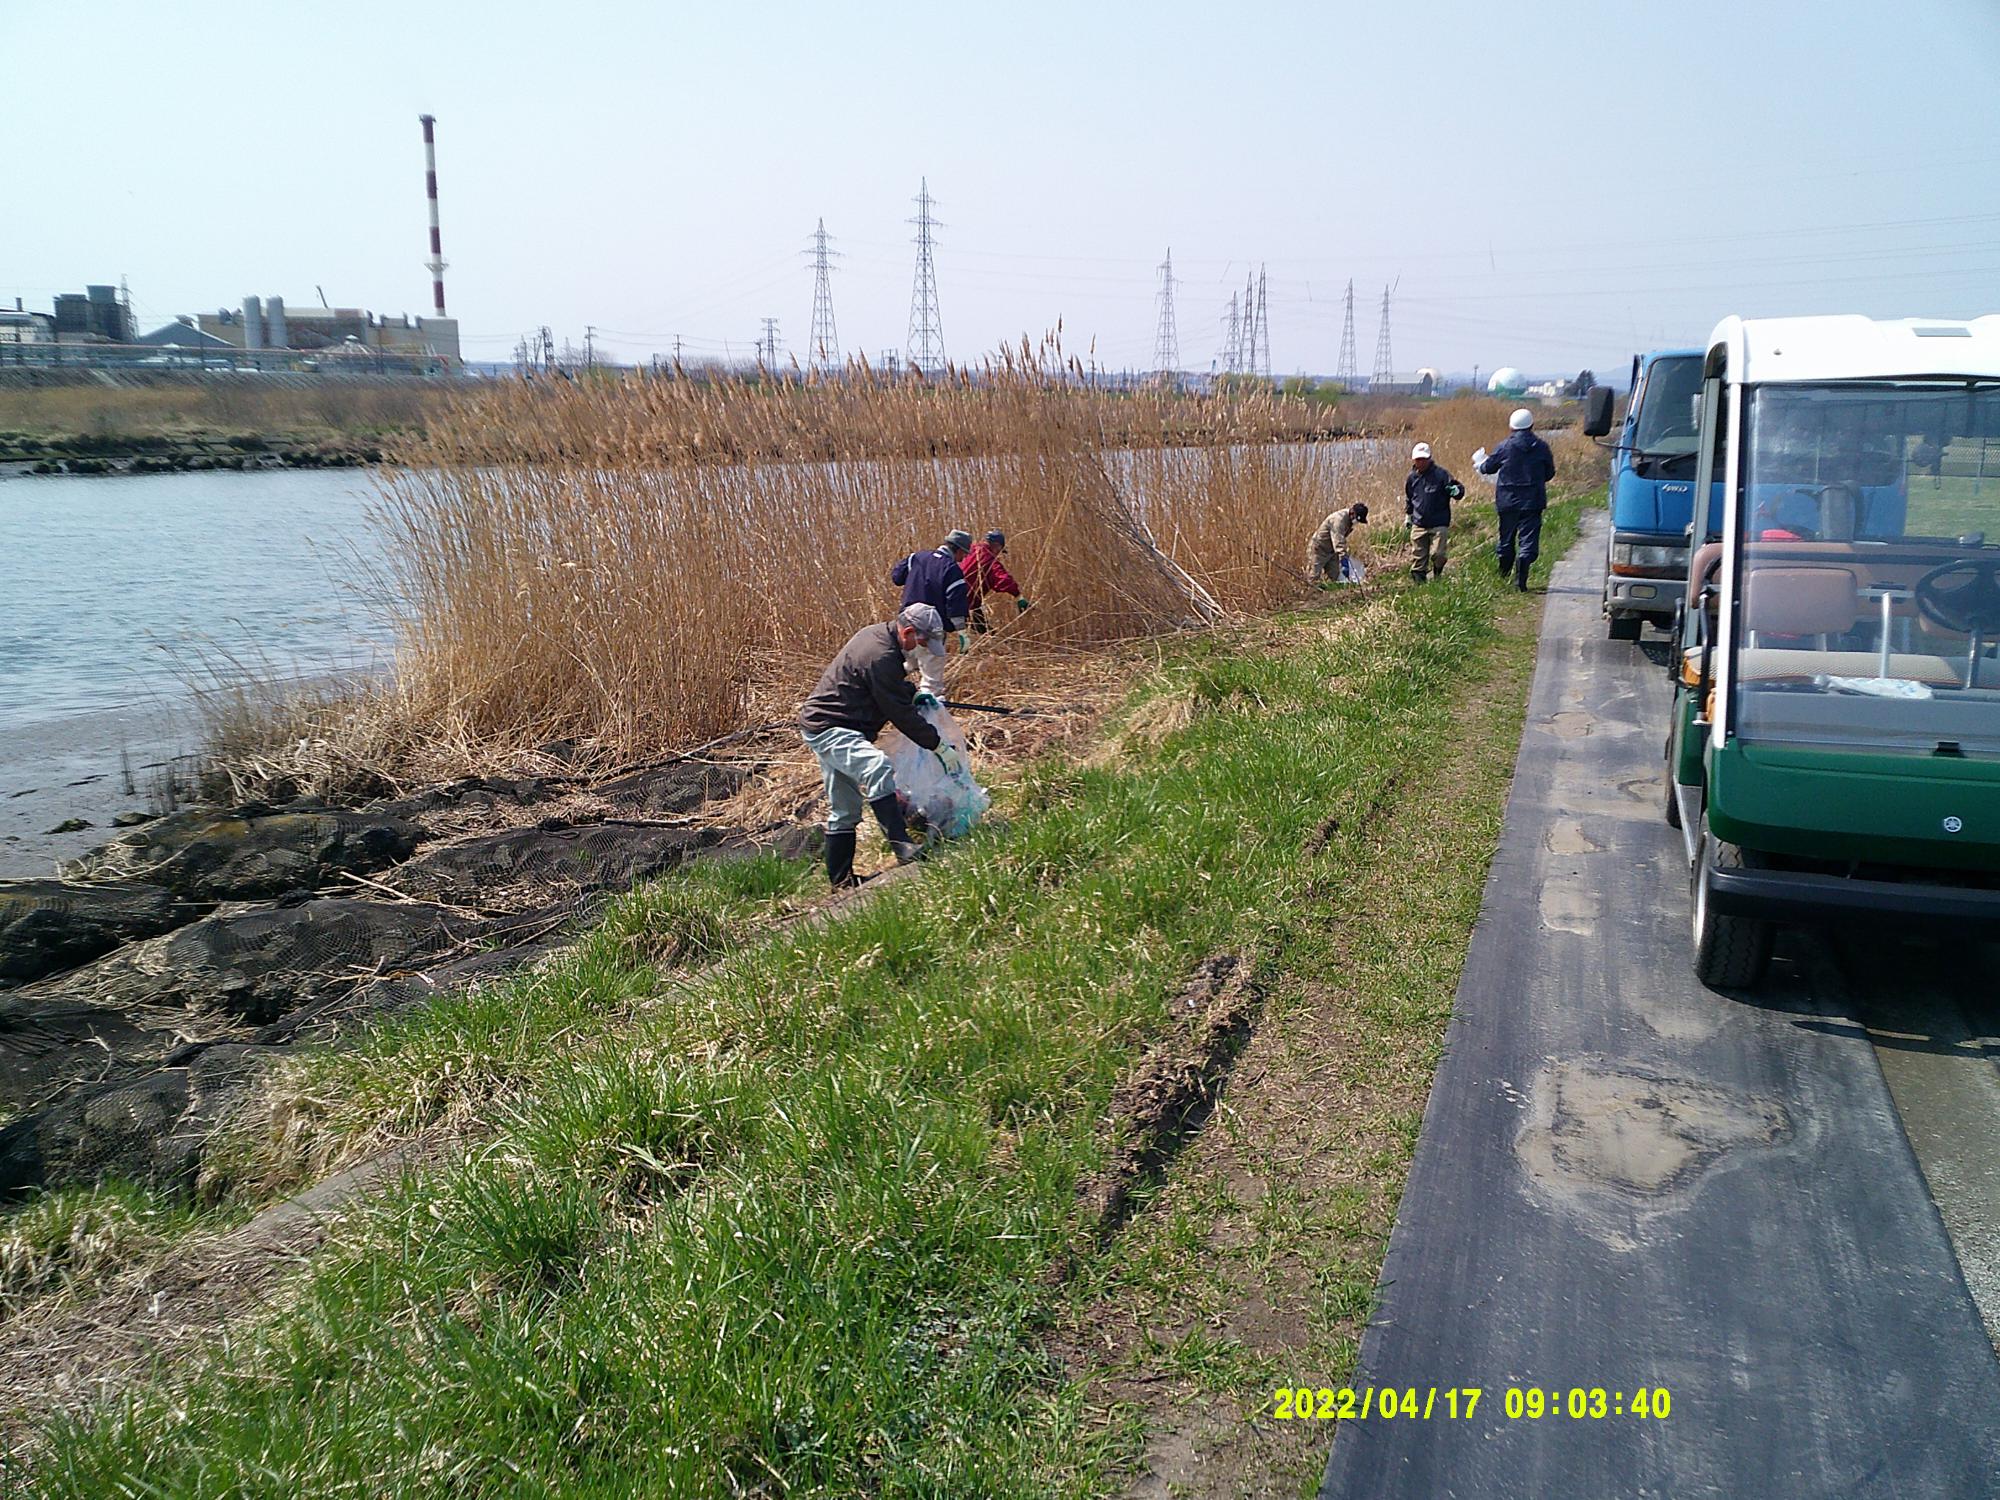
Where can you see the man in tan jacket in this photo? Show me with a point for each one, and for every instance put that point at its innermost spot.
(1326, 558)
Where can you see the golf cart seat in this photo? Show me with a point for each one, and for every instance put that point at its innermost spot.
(1781, 664)
(1777, 663)
(1785, 600)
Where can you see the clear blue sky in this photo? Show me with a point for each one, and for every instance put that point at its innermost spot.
(1554, 183)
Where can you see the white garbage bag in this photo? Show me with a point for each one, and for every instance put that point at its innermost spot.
(1351, 570)
(950, 804)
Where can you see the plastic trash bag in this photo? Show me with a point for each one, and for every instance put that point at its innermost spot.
(1478, 458)
(950, 804)
(1351, 570)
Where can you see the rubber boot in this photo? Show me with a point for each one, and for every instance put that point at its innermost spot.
(1506, 562)
(1521, 577)
(840, 860)
(889, 813)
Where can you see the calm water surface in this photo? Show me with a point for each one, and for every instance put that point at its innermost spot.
(113, 589)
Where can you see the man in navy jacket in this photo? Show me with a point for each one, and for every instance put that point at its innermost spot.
(1524, 466)
(936, 578)
(1428, 490)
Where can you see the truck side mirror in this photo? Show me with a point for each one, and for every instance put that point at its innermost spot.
(1597, 411)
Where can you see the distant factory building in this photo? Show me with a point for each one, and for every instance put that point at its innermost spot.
(19, 326)
(267, 323)
(97, 315)
(1416, 383)
(182, 334)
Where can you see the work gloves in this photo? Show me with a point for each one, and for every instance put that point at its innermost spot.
(964, 643)
(949, 759)
(1020, 605)
(926, 700)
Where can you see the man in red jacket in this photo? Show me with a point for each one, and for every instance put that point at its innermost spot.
(986, 574)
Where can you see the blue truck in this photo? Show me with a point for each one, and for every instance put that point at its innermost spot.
(1652, 490)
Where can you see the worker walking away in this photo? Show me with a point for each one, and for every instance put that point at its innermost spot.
(1523, 466)
(1428, 490)
(866, 686)
(935, 578)
(986, 574)
(1327, 557)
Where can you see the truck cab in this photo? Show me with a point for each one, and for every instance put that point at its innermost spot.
(1834, 749)
(1652, 491)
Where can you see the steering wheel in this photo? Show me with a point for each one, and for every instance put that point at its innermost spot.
(1967, 607)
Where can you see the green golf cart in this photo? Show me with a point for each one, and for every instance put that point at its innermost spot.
(1834, 748)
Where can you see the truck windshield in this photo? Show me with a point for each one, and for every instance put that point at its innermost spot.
(1869, 577)
(1666, 423)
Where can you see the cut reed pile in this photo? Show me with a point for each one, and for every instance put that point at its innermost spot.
(638, 566)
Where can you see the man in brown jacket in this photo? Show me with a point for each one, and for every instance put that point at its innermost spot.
(865, 687)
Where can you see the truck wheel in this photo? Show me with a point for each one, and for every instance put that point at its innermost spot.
(1730, 952)
(1624, 627)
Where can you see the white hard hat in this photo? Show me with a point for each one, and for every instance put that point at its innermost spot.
(1522, 419)
(1422, 450)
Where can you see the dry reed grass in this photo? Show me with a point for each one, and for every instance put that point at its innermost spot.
(638, 566)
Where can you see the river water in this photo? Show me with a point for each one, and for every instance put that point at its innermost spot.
(114, 590)
(117, 593)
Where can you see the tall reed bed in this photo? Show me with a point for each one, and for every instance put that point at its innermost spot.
(643, 565)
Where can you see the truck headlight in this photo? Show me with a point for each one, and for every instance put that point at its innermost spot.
(1639, 555)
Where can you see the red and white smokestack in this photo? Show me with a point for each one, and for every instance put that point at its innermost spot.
(436, 263)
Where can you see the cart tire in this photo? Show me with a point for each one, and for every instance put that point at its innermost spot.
(1730, 952)
(1673, 801)
(1624, 627)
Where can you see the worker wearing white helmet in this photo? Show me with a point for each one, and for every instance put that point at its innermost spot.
(1428, 491)
(1523, 466)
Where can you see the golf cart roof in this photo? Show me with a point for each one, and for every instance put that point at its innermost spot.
(1848, 346)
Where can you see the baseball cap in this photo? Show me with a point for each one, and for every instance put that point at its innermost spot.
(996, 538)
(1422, 450)
(925, 620)
(1522, 419)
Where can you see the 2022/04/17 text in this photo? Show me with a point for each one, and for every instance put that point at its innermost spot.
(1460, 1403)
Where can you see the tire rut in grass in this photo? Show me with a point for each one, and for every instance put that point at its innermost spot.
(1169, 1094)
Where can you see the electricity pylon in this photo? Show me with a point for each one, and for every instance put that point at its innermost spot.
(926, 328)
(1346, 370)
(824, 351)
(1167, 339)
(1385, 370)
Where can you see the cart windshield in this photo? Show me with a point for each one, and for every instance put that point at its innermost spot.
(1869, 528)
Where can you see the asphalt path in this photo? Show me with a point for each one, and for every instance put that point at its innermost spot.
(1626, 1181)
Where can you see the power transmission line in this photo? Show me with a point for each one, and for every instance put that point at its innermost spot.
(825, 346)
(1167, 339)
(926, 327)
(1346, 370)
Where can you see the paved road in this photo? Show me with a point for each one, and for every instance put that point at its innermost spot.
(1627, 1180)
